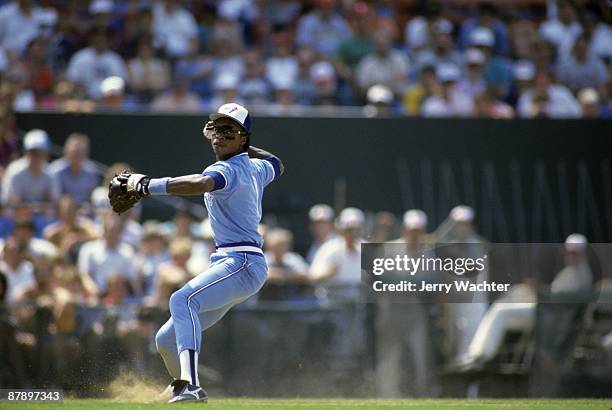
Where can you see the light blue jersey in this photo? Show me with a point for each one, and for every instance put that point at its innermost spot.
(234, 206)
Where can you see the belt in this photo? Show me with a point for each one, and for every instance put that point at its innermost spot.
(226, 249)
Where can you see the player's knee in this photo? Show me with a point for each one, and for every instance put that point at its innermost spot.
(163, 340)
(178, 300)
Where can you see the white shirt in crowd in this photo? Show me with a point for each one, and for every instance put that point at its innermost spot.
(18, 29)
(292, 262)
(20, 183)
(344, 284)
(282, 71)
(18, 280)
(561, 103)
(89, 69)
(175, 31)
(459, 104)
(560, 35)
(101, 262)
(373, 69)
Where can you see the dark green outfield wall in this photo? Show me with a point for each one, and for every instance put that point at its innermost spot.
(529, 180)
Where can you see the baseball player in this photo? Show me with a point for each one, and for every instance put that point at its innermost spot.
(232, 188)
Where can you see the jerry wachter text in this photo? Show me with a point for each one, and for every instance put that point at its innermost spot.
(424, 286)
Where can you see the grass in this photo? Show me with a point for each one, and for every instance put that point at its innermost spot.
(329, 404)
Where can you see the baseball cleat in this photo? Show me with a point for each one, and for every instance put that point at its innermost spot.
(182, 391)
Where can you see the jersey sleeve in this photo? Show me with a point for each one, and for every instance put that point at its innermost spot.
(222, 174)
(268, 169)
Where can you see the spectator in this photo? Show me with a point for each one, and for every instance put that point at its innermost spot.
(287, 271)
(524, 73)
(441, 52)
(226, 61)
(321, 228)
(473, 83)
(599, 36)
(19, 271)
(176, 28)
(254, 86)
(487, 17)
(547, 100)
(336, 267)
(177, 99)
(36, 249)
(589, 103)
(323, 76)
(174, 273)
(197, 69)
(101, 259)
(183, 226)
(361, 43)
(113, 96)
(580, 69)
(564, 30)
(576, 276)
(147, 74)
(487, 105)
(282, 67)
(498, 70)
(152, 253)
(417, 30)
(304, 88)
(380, 101)
(71, 230)
(75, 173)
(322, 29)
(92, 65)
(415, 95)
(27, 180)
(384, 66)
(20, 22)
(451, 102)
(226, 91)
(38, 73)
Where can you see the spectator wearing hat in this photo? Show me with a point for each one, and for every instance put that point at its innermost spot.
(288, 277)
(547, 100)
(498, 69)
(415, 95)
(488, 17)
(580, 69)
(576, 275)
(20, 22)
(523, 72)
(336, 267)
(380, 101)
(325, 82)
(27, 181)
(76, 174)
(113, 96)
(441, 51)
(92, 65)
(473, 82)
(383, 66)
(451, 102)
(589, 103)
(562, 30)
(175, 27)
(321, 228)
(323, 28)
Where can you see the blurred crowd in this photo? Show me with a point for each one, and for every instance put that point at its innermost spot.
(62, 249)
(282, 57)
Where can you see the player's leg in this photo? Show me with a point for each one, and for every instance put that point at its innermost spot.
(229, 280)
(165, 339)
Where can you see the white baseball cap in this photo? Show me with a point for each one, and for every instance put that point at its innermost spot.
(448, 72)
(36, 139)
(379, 94)
(321, 212)
(462, 213)
(474, 56)
(482, 36)
(350, 218)
(524, 70)
(236, 112)
(415, 219)
(100, 7)
(114, 85)
(576, 242)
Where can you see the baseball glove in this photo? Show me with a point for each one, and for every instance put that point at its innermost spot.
(126, 189)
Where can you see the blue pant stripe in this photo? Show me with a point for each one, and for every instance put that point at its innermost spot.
(201, 289)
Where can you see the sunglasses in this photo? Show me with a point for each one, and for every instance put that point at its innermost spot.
(225, 131)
